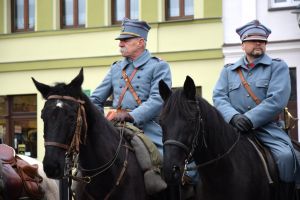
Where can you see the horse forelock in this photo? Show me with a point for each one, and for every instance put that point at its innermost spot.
(178, 104)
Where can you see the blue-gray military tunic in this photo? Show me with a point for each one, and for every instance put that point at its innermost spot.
(145, 82)
(270, 81)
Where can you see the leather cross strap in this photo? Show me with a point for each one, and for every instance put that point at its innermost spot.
(127, 79)
(128, 85)
(247, 87)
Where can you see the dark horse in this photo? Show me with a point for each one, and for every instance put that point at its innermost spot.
(72, 124)
(227, 163)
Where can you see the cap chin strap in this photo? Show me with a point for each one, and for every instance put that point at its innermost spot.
(130, 33)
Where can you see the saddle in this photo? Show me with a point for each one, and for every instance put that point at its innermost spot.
(19, 177)
(267, 160)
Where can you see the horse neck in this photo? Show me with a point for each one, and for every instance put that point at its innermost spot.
(218, 134)
(102, 138)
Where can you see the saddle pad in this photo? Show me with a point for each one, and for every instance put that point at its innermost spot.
(7, 154)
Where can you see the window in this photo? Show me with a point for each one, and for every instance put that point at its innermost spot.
(179, 9)
(124, 8)
(18, 124)
(284, 3)
(72, 13)
(22, 15)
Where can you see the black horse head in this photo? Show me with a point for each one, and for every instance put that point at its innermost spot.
(60, 115)
(178, 119)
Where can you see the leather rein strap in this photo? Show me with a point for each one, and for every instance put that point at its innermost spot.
(247, 87)
(128, 85)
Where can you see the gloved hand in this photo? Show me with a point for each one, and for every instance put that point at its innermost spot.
(241, 122)
(122, 116)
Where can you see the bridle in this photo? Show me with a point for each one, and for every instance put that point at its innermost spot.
(80, 121)
(195, 145)
(72, 150)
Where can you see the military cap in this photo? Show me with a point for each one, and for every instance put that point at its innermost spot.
(133, 28)
(253, 30)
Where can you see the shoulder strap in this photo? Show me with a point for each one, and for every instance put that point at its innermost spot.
(247, 87)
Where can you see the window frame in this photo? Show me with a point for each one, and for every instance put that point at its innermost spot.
(287, 4)
(181, 16)
(113, 11)
(11, 117)
(26, 15)
(75, 15)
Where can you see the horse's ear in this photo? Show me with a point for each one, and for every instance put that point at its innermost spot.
(78, 80)
(189, 88)
(164, 90)
(42, 88)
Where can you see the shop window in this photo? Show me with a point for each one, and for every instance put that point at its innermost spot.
(284, 3)
(18, 124)
(179, 9)
(124, 8)
(22, 15)
(73, 13)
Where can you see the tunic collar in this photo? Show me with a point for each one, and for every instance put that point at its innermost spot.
(140, 61)
(264, 59)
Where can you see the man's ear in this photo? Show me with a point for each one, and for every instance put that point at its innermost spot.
(243, 46)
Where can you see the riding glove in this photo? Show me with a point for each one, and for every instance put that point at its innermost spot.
(123, 116)
(241, 122)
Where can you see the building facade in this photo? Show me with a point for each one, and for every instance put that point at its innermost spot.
(51, 40)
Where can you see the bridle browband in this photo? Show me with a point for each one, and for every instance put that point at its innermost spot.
(190, 151)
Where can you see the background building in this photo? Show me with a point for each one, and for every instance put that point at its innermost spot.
(51, 40)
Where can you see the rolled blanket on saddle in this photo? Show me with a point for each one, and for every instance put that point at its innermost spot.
(148, 156)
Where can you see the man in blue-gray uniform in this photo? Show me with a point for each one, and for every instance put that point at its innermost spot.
(269, 81)
(141, 103)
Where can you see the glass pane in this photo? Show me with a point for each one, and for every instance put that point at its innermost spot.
(174, 8)
(189, 7)
(68, 9)
(31, 13)
(3, 105)
(134, 9)
(120, 10)
(280, 1)
(24, 103)
(81, 12)
(19, 14)
(2, 130)
(25, 137)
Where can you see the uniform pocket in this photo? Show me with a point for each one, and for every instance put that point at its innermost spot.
(262, 83)
(234, 86)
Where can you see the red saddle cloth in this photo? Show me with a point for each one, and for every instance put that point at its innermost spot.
(20, 178)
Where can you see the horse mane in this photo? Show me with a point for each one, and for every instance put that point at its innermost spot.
(214, 124)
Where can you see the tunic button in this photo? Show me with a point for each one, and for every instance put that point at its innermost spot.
(120, 86)
(249, 107)
(138, 77)
(248, 95)
(137, 87)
